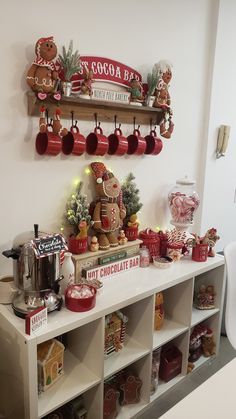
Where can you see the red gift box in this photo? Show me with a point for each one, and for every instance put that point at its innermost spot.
(171, 363)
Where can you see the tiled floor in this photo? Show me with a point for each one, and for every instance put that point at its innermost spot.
(181, 390)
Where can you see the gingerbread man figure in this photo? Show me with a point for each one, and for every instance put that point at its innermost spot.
(42, 76)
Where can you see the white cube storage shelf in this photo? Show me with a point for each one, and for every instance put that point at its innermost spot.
(85, 366)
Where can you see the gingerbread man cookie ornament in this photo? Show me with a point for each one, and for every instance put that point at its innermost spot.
(42, 76)
(109, 211)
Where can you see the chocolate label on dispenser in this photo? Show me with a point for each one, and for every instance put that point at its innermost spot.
(49, 245)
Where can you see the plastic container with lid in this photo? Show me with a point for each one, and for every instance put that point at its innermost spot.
(183, 202)
(144, 257)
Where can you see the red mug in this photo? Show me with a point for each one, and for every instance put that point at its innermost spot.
(136, 143)
(118, 144)
(73, 142)
(48, 142)
(153, 143)
(96, 142)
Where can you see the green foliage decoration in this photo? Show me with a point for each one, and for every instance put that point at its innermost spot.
(130, 195)
(69, 61)
(77, 209)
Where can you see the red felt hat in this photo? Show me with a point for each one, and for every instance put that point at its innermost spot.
(41, 41)
(100, 171)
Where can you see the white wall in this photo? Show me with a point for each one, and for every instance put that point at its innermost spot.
(219, 208)
(138, 33)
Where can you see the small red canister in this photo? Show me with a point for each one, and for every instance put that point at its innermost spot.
(80, 297)
(73, 142)
(96, 142)
(48, 142)
(77, 246)
(118, 144)
(200, 252)
(131, 233)
(136, 143)
(153, 143)
(163, 242)
(151, 240)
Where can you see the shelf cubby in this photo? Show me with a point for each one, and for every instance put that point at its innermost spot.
(82, 370)
(142, 368)
(181, 342)
(137, 339)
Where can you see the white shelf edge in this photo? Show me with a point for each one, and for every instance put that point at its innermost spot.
(131, 353)
(169, 331)
(199, 316)
(131, 410)
(163, 387)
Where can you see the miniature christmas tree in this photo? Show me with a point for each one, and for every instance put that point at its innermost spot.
(69, 61)
(77, 209)
(131, 198)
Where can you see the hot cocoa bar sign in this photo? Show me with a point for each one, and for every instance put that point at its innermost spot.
(105, 69)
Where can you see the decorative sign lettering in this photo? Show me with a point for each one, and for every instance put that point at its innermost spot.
(48, 245)
(105, 69)
(35, 320)
(111, 258)
(113, 268)
(110, 96)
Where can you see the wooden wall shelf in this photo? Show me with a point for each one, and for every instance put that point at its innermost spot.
(85, 109)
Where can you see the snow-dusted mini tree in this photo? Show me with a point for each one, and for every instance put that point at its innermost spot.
(77, 209)
(131, 199)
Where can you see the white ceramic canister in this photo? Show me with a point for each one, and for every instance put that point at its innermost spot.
(7, 289)
(68, 272)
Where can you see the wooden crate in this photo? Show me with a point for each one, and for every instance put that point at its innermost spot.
(90, 259)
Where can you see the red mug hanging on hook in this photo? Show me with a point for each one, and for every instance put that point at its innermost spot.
(118, 144)
(47, 142)
(136, 143)
(97, 142)
(74, 142)
(153, 143)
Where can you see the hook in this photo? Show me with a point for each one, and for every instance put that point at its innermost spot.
(134, 121)
(151, 124)
(115, 120)
(96, 118)
(72, 118)
(47, 115)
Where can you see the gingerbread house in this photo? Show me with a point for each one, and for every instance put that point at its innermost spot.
(50, 356)
(115, 328)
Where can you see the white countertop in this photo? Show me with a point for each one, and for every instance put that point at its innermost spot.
(119, 290)
(215, 398)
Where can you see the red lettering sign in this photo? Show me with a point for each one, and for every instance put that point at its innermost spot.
(105, 69)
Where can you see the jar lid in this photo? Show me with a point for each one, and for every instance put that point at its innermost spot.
(185, 181)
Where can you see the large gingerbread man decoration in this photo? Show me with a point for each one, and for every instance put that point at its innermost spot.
(42, 76)
(108, 212)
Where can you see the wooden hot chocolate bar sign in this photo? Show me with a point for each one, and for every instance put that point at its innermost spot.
(114, 268)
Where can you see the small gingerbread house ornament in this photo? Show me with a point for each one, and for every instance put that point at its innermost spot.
(50, 356)
(115, 327)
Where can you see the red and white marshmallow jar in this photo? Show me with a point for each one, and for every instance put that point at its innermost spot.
(183, 202)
